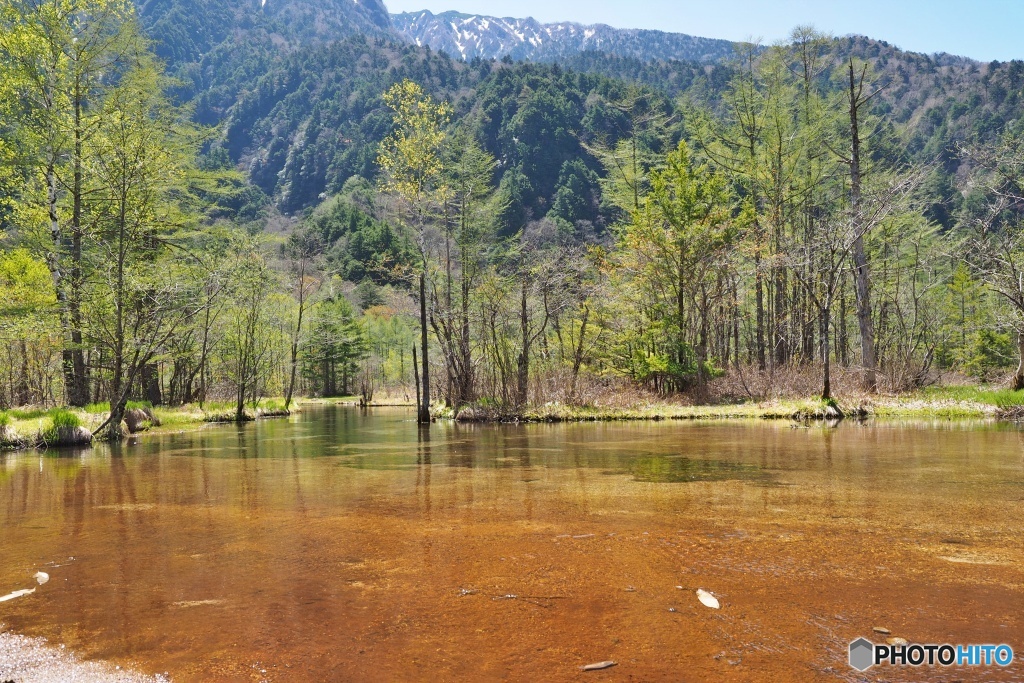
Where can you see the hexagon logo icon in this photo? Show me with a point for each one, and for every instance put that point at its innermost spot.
(862, 654)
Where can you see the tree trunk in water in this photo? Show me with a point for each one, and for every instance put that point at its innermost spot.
(416, 376)
(240, 391)
(424, 412)
(860, 261)
(291, 378)
(295, 339)
(117, 411)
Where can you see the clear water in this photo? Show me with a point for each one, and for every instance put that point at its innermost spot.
(348, 545)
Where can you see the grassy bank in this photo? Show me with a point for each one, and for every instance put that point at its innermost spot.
(953, 402)
(38, 427)
(28, 427)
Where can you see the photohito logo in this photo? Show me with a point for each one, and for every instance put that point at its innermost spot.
(864, 654)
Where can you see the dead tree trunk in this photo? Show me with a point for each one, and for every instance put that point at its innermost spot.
(860, 261)
(1018, 377)
(424, 409)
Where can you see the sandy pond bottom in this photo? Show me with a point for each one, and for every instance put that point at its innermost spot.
(345, 546)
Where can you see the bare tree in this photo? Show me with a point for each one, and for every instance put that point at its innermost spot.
(996, 244)
(301, 249)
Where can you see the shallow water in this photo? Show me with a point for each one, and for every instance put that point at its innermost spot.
(343, 545)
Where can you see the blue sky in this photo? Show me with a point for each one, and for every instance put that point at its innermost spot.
(982, 29)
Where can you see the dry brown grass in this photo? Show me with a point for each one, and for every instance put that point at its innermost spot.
(746, 385)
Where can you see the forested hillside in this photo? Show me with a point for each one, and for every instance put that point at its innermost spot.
(311, 196)
(316, 119)
(303, 113)
(186, 30)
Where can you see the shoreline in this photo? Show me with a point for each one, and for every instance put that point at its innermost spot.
(192, 418)
(807, 410)
(25, 659)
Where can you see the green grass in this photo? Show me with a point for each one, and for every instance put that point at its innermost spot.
(5, 419)
(218, 406)
(1001, 398)
(177, 417)
(104, 407)
(59, 417)
(271, 405)
(28, 413)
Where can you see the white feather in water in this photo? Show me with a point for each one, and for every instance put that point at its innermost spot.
(707, 599)
(41, 577)
(17, 594)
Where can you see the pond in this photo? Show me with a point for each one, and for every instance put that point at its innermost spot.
(341, 544)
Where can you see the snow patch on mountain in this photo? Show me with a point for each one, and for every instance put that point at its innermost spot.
(470, 36)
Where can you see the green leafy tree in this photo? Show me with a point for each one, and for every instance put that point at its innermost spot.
(411, 161)
(670, 253)
(334, 348)
(63, 58)
(146, 286)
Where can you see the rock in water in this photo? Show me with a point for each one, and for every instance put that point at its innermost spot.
(72, 436)
(707, 599)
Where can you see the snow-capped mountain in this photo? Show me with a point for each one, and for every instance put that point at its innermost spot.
(467, 36)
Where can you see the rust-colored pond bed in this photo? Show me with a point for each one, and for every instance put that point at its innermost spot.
(346, 545)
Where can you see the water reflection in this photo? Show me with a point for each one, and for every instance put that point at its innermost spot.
(666, 469)
(338, 543)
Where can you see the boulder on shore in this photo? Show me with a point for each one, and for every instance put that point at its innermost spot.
(137, 420)
(10, 439)
(470, 414)
(67, 436)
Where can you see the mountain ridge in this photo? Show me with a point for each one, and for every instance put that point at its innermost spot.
(470, 36)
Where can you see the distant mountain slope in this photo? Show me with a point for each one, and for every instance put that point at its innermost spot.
(467, 36)
(186, 30)
(297, 85)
